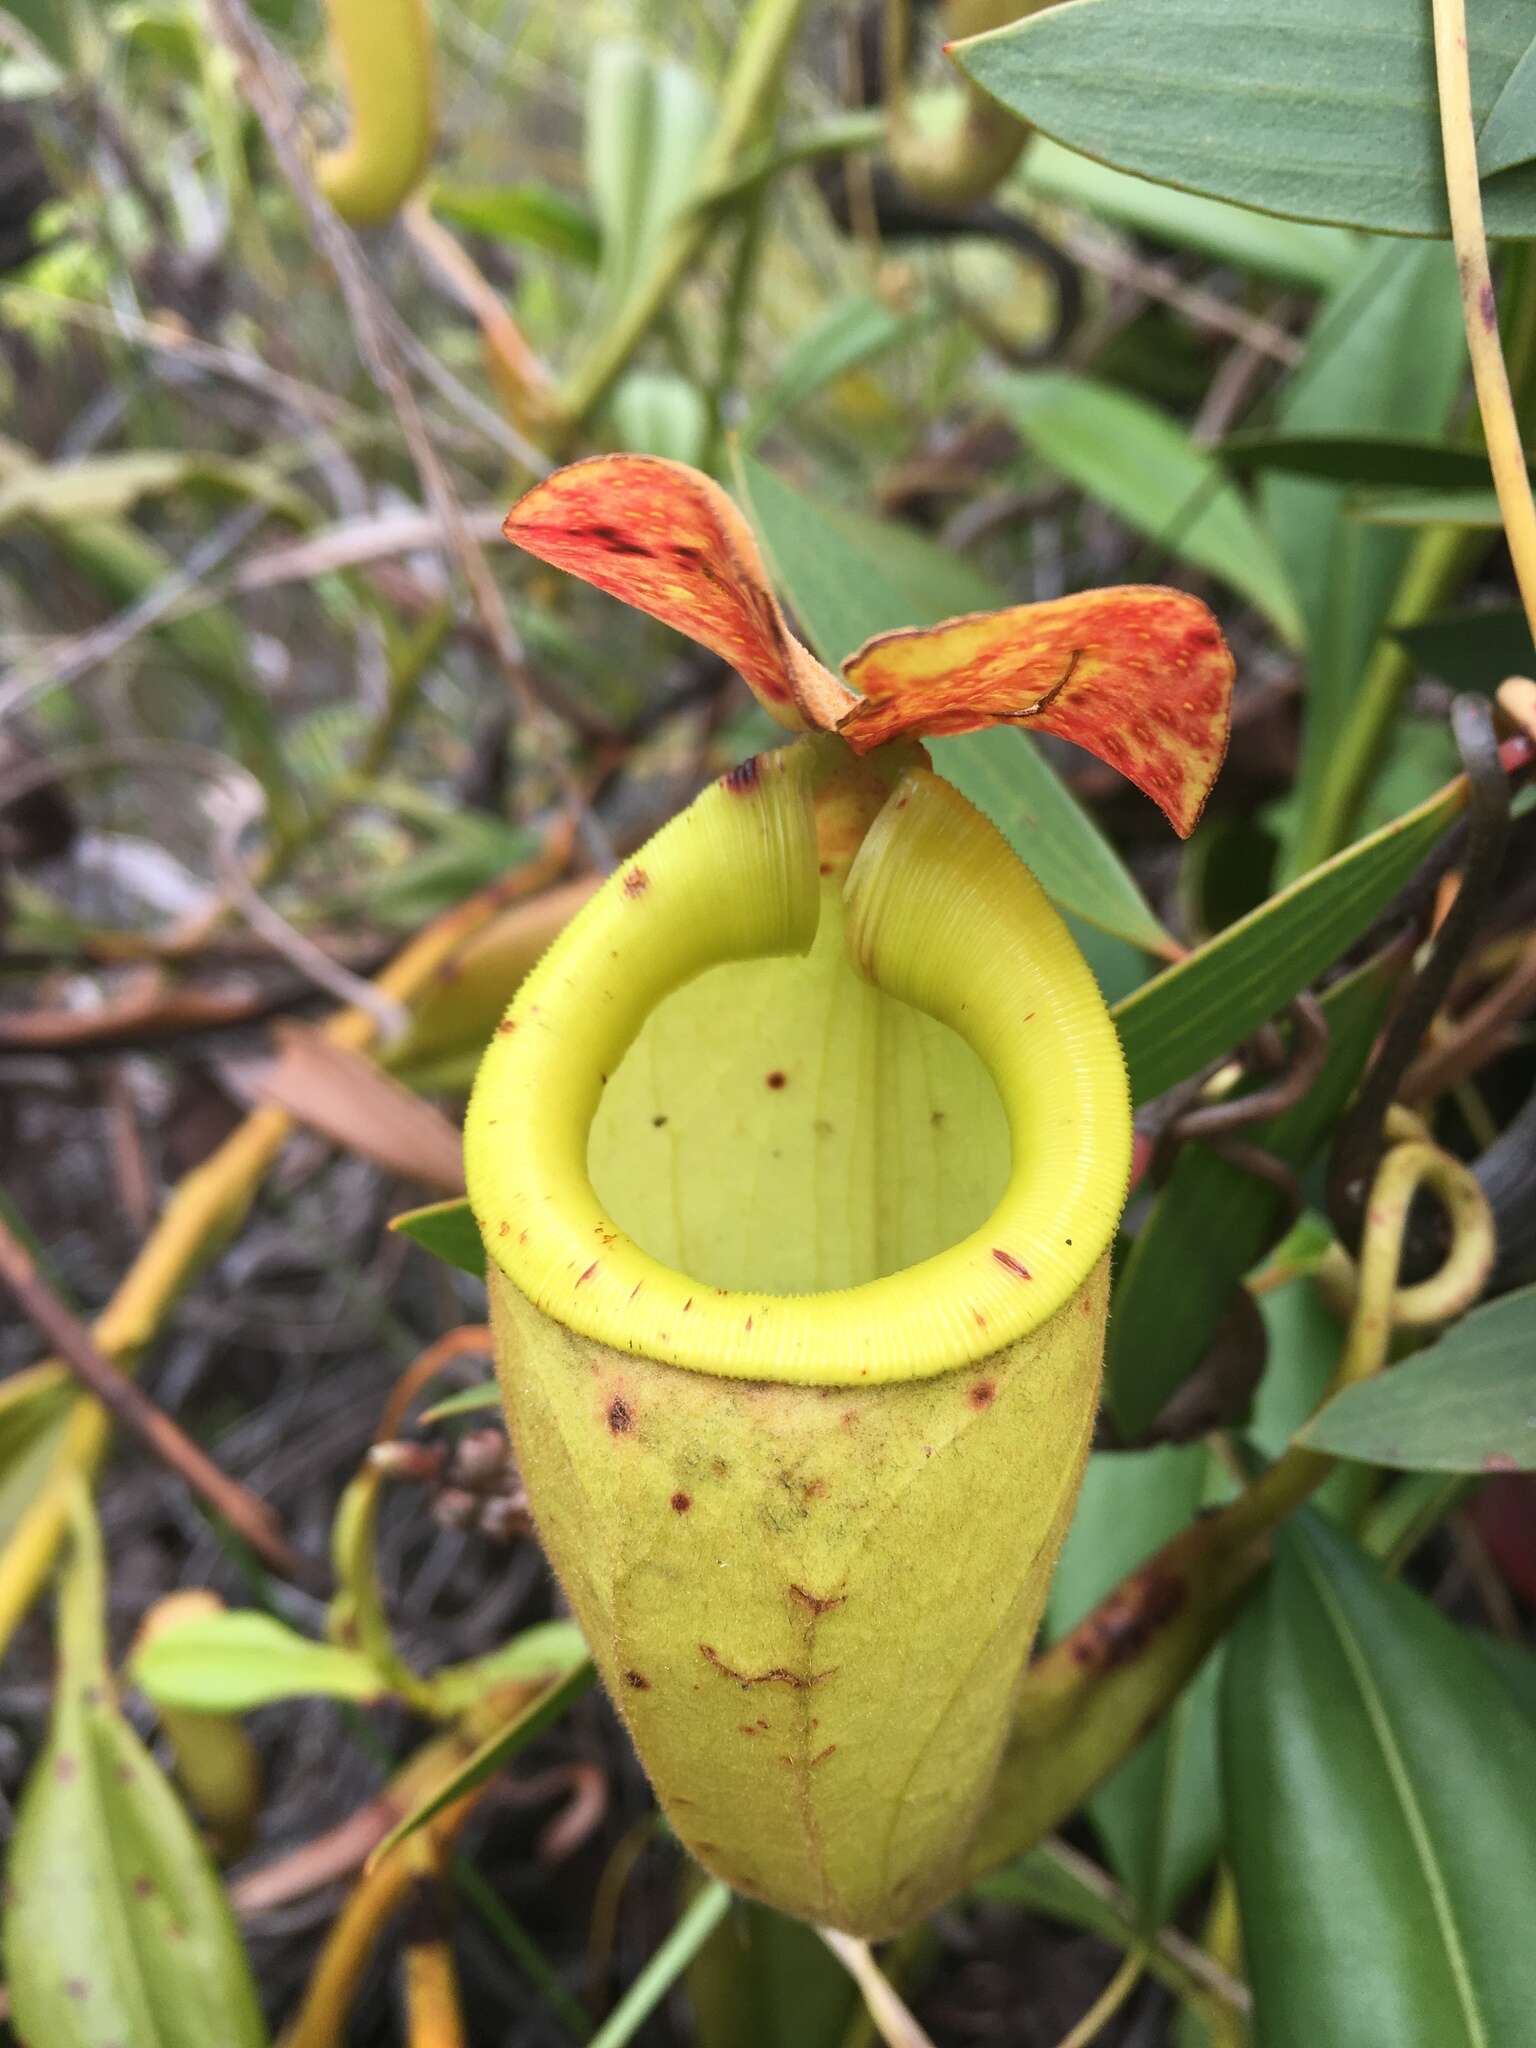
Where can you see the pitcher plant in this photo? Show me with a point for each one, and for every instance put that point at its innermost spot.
(797, 1161)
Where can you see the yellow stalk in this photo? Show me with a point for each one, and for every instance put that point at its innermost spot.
(1108, 2002)
(1501, 426)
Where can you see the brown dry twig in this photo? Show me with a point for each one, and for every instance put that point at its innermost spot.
(251, 1518)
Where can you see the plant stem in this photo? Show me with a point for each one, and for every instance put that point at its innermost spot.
(733, 323)
(1443, 556)
(1108, 2002)
(751, 86)
(1501, 427)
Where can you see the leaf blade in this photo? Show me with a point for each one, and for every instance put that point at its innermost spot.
(1143, 465)
(1381, 1836)
(1336, 108)
(1205, 1004)
(1465, 1404)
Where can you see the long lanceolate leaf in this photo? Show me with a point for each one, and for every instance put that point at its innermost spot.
(1203, 1006)
(116, 1927)
(1378, 1778)
(1143, 465)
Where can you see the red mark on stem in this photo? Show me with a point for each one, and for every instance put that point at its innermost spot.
(588, 1274)
(681, 1503)
(1015, 1266)
(1119, 1628)
(983, 1394)
(744, 776)
(636, 882)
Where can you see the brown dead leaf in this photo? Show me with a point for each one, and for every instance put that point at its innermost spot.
(345, 1097)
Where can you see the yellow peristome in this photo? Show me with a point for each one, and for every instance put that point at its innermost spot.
(940, 916)
(797, 1160)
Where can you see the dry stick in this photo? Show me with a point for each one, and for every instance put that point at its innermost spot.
(1495, 401)
(1200, 307)
(249, 1517)
(277, 111)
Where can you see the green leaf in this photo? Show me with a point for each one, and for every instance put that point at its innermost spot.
(539, 1655)
(1476, 509)
(1206, 1004)
(1386, 356)
(35, 1406)
(497, 1749)
(1294, 252)
(1508, 136)
(472, 1401)
(230, 1663)
(698, 1922)
(1158, 1815)
(109, 486)
(1144, 467)
(533, 215)
(1466, 1404)
(1212, 1222)
(1005, 775)
(1472, 650)
(852, 331)
(1305, 109)
(648, 126)
(658, 412)
(1377, 1774)
(116, 1926)
(467, 850)
(848, 577)
(1345, 458)
(448, 1231)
